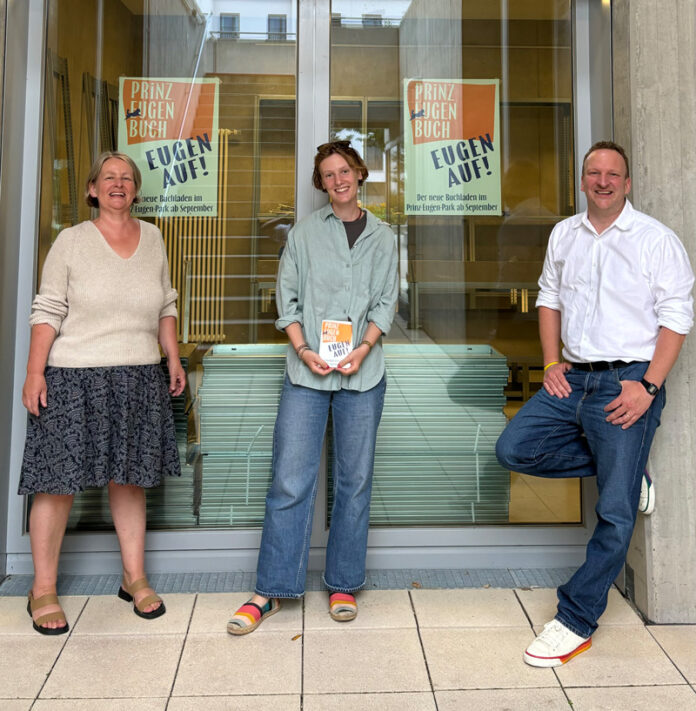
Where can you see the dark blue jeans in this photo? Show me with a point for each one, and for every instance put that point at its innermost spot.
(570, 437)
(297, 442)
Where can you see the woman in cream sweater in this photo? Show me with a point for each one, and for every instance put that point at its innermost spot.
(100, 413)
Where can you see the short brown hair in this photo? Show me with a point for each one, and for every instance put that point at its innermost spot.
(343, 148)
(607, 146)
(96, 169)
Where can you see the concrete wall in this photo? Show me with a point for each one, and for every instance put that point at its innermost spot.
(655, 105)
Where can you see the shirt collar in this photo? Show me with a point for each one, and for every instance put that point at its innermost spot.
(326, 211)
(623, 222)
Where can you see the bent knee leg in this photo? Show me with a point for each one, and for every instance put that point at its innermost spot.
(510, 452)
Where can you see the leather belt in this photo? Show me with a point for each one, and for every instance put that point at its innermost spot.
(604, 364)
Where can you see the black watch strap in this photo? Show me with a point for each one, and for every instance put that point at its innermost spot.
(650, 387)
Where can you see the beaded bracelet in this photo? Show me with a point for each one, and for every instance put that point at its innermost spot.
(548, 365)
(366, 343)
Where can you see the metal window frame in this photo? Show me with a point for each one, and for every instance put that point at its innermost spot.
(223, 550)
(233, 33)
(277, 35)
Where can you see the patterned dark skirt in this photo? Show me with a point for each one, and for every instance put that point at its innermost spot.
(100, 424)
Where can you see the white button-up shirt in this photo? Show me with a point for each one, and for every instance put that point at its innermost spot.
(614, 290)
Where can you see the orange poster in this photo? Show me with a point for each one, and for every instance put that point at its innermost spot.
(452, 147)
(169, 127)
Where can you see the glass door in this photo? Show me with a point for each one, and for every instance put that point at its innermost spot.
(202, 95)
(471, 204)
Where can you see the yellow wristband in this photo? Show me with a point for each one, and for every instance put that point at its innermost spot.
(548, 365)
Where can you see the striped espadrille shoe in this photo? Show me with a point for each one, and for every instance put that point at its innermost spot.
(342, 607)
(250, 615)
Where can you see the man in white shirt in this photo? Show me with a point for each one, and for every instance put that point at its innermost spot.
(616, 290)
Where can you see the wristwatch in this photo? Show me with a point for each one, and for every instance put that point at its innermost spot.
(650, 387)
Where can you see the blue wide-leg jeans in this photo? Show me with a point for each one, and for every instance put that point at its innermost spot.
(570, 437)
(297, 443)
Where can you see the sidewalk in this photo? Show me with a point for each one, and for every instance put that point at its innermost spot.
(408, 650)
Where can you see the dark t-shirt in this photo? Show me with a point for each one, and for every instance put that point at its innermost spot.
(355, 228)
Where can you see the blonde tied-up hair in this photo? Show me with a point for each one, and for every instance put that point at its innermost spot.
(96, 169)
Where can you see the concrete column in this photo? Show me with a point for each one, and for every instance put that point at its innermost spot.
(654, 70)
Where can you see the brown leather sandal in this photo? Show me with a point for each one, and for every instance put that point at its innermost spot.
(127, 593)
(34, 604)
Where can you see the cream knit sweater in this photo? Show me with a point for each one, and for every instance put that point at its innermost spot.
(104, 309)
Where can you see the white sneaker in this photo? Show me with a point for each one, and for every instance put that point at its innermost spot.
(646, 503)
(556, 645)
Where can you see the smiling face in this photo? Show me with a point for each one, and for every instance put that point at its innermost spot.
(114, 187)
(605, 184)
(340, 180)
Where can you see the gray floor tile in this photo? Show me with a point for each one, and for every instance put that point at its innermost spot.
(217, 665)
(285, 702)
(376, 609)
(108, 615)
(364, 661)
(100, 705)
(468, 608)
(370, 702)
(507, 699)
(26, 661)
(679, 642)
(115, 666)
(540, 605)
(14, 618)
(620, 656)
(213, 610)
(635, 698)
(489, 658)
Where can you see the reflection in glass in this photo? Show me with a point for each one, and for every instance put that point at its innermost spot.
(464, 279)
(223, 266)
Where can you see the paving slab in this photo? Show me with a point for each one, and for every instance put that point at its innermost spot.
(100, 705)
(468, 608)
(620, 656)
(115, 666)
(635, 698)
(253, 664)
(397, 701)
(109, 615)
(26, 661)
(482, 658)
(507, 699)
(679, 642)
(363, 661)
(14, 618)
(286, 702)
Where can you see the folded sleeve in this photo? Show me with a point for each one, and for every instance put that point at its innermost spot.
(550, 279)
(50, 305)
(170, 294)
(672, 282)
(383, 306)
(287, 286)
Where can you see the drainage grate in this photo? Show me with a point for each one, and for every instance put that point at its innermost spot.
(242, 582)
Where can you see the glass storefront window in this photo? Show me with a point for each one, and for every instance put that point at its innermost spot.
(468, 280)
(222, 262)
(464, 351)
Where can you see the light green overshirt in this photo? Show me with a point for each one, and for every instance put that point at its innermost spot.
(319, 278)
